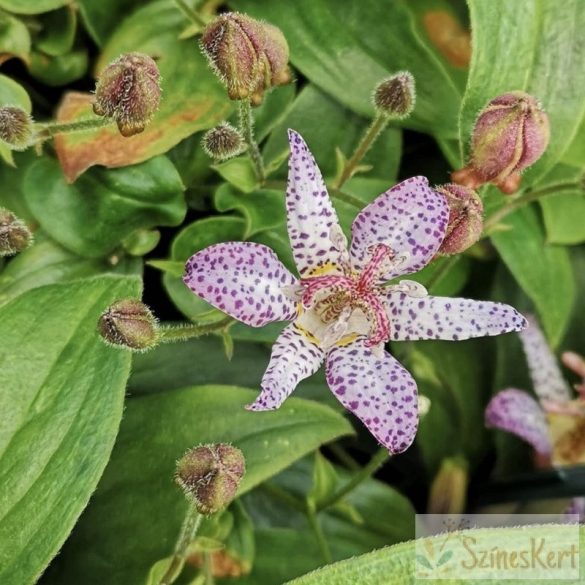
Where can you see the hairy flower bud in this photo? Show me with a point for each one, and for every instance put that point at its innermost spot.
(223, 142)
(128, 91)
(14, 235)
(16, 127)
(510, 134)
(396, 96)
(129, 323)
(210, 475)
(465, 218)
(248, 55)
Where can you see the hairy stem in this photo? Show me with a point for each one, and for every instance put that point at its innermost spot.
(189, 529)
(365, 144)
(182, 332)
(247, 129)
(190, 14)
(50, 129)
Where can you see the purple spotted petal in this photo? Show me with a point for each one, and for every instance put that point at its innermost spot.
(431, 317)
(517, 412)
(294, 358)
(546, 376)
(411, 218)
(244, 280)
(577, 507)
(378, 390)
(310, 213)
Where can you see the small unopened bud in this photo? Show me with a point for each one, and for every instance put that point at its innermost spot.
(16, 128)
(465, 218)
(223, 142)
(129, 323)
(14, 235)
(396, 96)
(510, 134)
(248, 55)
(449, 488)
(210, 475)
(128, 91)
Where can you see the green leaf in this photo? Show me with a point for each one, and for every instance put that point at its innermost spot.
(239, 172)
(137, 494)
(543, 271)
(14, 37)
(12, 94)
(31, 6)
(534, 46)
(193, 99)
(94, 215)
(101, 18)
(59, 70)
(325, 479)
(58, 31)
(348, 53)
(563, 217)
(61, 402)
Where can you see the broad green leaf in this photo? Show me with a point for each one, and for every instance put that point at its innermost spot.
(533, 44)
(93, 216)
(543, 271)
(12, 94)
(564, 217)
(192, 99)
(273, 109)
(48, 263)
(59, 70)
(396, 565)
(31, 6)
(14, 38)
(137, 495)
(239, 172)
(347, 53)
(58, 31)
(61, 402)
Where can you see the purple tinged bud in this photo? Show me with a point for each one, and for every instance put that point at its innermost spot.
(510, 134)
(248, 55)
(16, 128)
(396, 95)
(128, 91)
(465, 218)
(210, 475)
(129, 323)
(223, 142)
(14, 234)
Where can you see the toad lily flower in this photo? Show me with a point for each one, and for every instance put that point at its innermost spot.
(341, 311)
(555, 424)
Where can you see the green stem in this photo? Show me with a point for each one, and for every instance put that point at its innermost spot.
(344, 457)
(347, 198)
(441, 271)
(247, 129)
(189, 529)
(365, 144)
(319, 535)
(364, 473)
(183, 332)
(525, 199)
(208, 569)
(51, 129)
(189, 13)
(284, 496)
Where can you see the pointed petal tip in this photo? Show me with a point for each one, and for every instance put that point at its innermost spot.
(295, 138)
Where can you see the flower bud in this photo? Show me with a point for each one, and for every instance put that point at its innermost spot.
(16, 127)
(210, 475)
(465, 218)
(128, 91)
(248, 55)
(396, 96)
(14, 235)
(510, 134)
(223, 142)
(129, 323)
(449, 488)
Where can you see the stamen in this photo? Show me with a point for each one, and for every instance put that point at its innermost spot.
(381, 328)
(293, 291)
(409, 287)
(371, 273)
(337, 329)
(570, 408)
(313, 285)
(339, 242)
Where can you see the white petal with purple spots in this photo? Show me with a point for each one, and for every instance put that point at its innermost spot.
(410, 218)
(378, 390)
(517, 412)
(431, 317)
(244, 280)
(548, 381)
(311, 218)
(294, 358)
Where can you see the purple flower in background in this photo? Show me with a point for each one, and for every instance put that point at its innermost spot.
(555, 423)
(341, 309)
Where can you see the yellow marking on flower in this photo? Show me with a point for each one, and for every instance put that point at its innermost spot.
(306, 333)
(326, 268)
(346, 340)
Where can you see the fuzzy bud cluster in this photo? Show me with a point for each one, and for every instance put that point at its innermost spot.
(510, 134)
(396, 96)
(16, 128)
(128, 91)
(248, 55)
(223, 142)
(129, 323)
(14, 234)
(465, 218)
(210, 475)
